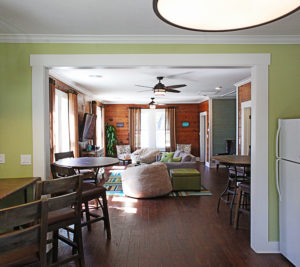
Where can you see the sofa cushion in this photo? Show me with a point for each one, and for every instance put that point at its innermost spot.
(177, 153)
(186, 157)
(176, 159)
(167, 156)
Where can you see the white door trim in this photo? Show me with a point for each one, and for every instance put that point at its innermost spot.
(259, 94)
(204, 114)
(246, 104)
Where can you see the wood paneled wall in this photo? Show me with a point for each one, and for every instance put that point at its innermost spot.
(244, 95)
(204, 106)
(115, 113)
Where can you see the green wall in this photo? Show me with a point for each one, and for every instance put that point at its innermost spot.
(223, 123)
(15, 95)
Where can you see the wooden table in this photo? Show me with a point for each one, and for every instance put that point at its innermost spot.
(9, 186)
(88, 163)
(232, 161)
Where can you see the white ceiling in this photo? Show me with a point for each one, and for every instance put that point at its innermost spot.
(102, 17)
(117, 85)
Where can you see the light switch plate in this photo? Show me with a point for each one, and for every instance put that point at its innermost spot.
(26, 159)
(2, 158)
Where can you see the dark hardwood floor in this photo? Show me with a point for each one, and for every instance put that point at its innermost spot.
(174, 231)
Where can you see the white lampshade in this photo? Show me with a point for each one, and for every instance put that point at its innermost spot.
(221, 15)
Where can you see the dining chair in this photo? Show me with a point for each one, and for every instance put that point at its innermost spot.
(64, 209)
(24, 246)
(87, 173)
(90, 192)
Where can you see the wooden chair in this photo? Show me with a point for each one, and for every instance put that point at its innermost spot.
(65, 193)
(88, 174)
(27, 245)
(243, 202)
(90, 192)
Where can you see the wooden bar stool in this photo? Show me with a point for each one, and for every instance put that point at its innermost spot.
(65, 193)
(243, 202)
(90, 191)
(25, 246)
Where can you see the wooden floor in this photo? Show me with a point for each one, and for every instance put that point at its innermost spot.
(174, 231)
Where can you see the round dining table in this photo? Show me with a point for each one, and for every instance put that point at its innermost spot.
(94, 163)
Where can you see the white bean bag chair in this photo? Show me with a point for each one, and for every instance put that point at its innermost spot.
(145, 155)
(146, 181)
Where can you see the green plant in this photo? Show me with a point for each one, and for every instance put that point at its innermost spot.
(110, 140)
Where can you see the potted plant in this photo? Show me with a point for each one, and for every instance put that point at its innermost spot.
(110, 140)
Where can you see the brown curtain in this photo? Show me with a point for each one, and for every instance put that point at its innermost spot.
(135, 128)
(170, 129)
(51, 117)
(94, 111)
(73, 123)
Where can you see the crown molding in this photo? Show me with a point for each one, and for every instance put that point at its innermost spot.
(150, 39)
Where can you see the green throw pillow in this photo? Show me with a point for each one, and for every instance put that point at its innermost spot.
(167, 156)
(176, 159)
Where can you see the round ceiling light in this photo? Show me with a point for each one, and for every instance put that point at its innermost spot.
(220, 15)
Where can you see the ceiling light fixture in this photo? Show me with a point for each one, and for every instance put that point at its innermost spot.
(152, 104)
(218, 88)
(159, 92)
(95, 76)
(220, 15)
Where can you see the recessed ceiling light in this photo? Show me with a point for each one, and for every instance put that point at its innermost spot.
(218, 88)
(95, 76)
(220, 15)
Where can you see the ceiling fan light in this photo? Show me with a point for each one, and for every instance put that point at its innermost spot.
(159, 92)
(220, 15)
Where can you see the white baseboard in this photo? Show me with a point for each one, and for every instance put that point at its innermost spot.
(270, 247)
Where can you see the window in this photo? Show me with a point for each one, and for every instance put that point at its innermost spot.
(99, 127)
(153, 128)
(61, 122)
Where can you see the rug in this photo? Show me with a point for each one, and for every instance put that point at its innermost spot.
(113, 186)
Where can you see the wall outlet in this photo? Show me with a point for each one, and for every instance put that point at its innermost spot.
(26, 159)
(2, 158)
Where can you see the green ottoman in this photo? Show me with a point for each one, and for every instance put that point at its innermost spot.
(185, 179)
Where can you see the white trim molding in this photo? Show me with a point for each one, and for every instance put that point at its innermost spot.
(246, 104)
(259, 76)
(151, 39)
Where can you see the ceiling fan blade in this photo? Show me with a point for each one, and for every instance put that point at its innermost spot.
(175, 86)
(178, 74)
(172, 90)
(143, 86)
(145, 91)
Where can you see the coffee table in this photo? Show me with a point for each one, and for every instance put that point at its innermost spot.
(124, 161)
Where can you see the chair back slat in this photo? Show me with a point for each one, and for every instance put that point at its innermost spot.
(59, 185)
(63, 201)
(58, 172)
(63, 155)
(30, 240)
(11, 216)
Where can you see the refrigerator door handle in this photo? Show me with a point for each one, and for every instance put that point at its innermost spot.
(277, 141)
(277, 179)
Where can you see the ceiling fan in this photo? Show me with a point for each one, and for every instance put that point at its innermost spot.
(160, 89)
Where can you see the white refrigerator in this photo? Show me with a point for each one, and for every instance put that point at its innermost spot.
(288, 187)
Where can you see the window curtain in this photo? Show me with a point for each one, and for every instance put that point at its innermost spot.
(73, 123)
(94, 111)
(170, 129)
(51, 117)
(135, 128)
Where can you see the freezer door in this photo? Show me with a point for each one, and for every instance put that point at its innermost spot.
(289, 210)
(289, 139)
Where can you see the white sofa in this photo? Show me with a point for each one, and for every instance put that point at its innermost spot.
(145, 155)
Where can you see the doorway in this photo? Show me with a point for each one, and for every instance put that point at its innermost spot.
(203, 137)
(259, 75)
(246, 128)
